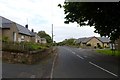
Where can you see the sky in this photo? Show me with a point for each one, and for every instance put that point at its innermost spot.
(40, 15)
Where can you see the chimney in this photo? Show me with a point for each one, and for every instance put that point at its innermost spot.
(26, 25)
(32, 30)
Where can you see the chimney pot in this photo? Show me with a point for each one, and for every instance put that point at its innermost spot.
(32, 30)
(26, 25)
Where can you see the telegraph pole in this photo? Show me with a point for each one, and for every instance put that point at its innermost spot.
(52, 38)
(52, 34)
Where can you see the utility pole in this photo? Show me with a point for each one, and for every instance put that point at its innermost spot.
(52, 34)
(52, 38)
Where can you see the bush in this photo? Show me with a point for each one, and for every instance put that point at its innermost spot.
(22, 47)
(5, 39)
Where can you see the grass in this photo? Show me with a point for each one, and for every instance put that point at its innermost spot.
(109, 52)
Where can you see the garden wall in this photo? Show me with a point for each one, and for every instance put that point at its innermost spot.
(25, 58)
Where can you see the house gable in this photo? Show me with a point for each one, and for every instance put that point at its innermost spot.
(94, 42)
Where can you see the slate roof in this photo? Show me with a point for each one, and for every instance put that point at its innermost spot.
(103, 39)
(80, 40)
(6, 25)
(85, 40)
(23, 30)
(5, 22)
(33, 34)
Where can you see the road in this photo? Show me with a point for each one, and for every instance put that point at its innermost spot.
(83, 63)
(68, 62)
(42, 69)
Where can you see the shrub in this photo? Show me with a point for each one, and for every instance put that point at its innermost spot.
(22, 47)
(5, 39)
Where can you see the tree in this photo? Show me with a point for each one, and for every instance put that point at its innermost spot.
(43, 34)
(105, 17)
(70, 41)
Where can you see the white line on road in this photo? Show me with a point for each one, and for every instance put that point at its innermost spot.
(103, 69)
(32, 76)
(73, 52)
(51, 75)
(80, 57)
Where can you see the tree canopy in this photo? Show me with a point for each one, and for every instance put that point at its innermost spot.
(70, 41)
(43, 34)
(104, 16)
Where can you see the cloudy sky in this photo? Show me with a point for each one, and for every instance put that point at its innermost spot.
(40, 15)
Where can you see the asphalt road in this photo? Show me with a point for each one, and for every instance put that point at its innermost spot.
(83, 63)
(68, 62)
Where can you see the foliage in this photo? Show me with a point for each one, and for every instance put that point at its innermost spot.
(43, 34)
(70, 41)
(22, 47)
(5, 39)
(102, 15)
(109, 52)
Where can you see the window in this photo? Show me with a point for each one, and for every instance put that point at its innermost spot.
(14, 36)
(22, 38)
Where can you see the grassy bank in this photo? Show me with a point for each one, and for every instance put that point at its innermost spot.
(109, 52)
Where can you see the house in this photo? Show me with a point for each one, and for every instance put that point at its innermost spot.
(43, 40)
(15, 32)
(93, 42)
(34, 37)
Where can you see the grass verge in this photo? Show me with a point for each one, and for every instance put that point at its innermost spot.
(109, 52)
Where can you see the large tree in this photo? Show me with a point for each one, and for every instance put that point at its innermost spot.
(43, 34)
(105, 17)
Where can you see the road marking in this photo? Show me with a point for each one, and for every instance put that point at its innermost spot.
(33, 76)
(51, 75)
(80, 57)
(103, 69)
(73, 52)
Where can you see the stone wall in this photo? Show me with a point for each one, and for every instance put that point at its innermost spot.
(25, 58)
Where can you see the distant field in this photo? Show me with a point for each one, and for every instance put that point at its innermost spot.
(109, 52)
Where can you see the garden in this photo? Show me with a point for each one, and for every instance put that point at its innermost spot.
(24, 52)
